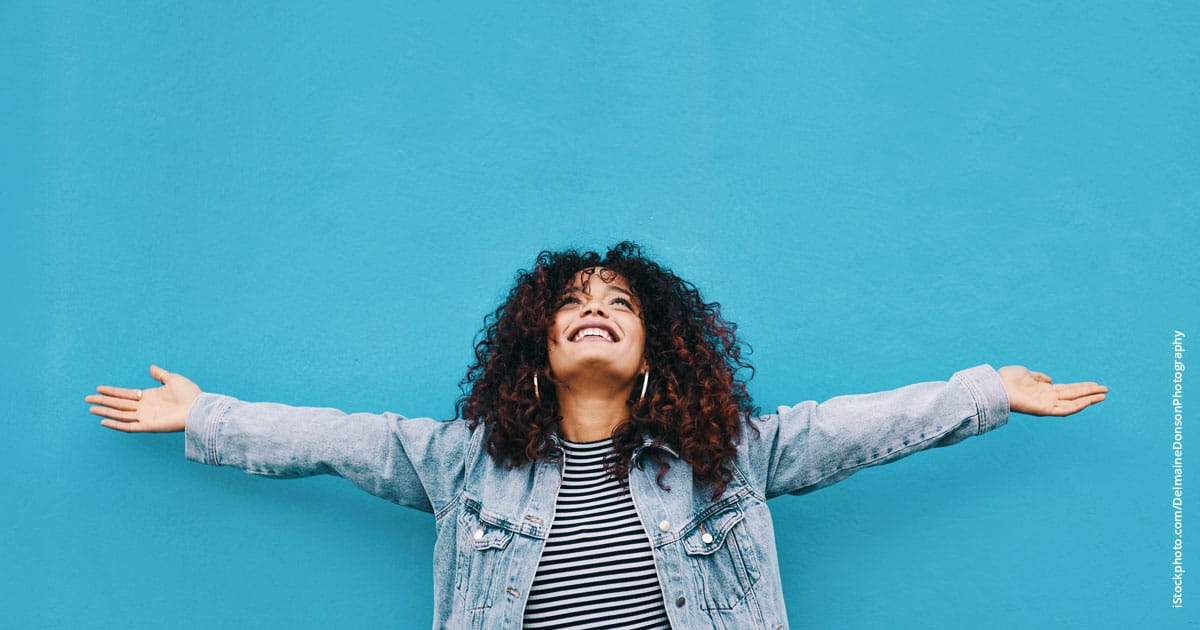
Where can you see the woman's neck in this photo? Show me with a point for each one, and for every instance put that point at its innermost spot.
(588, 416)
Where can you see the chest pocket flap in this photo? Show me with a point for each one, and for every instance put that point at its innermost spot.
(707, 535)
(485, 529)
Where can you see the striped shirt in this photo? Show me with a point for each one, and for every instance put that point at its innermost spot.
(597, 570)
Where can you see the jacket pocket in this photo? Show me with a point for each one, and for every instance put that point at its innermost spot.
(482, 546)
(716, 547)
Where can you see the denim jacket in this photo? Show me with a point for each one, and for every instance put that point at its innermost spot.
(716, 558)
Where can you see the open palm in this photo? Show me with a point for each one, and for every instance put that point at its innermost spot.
(160, 409)
(1033, 393)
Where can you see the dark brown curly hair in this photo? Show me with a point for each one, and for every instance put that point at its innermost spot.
(695, 403)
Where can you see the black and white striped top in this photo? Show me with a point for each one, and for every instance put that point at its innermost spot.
(597, 570)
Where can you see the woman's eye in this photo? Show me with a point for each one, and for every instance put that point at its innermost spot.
(627, 303)
(568, 300)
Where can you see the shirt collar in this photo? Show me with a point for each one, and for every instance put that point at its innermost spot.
(555, 444)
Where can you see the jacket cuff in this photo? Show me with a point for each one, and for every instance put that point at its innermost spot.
(202, 425)
(991, 399)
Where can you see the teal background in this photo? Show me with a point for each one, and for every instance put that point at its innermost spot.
(316, 203)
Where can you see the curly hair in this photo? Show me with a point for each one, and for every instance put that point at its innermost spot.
(696, 400)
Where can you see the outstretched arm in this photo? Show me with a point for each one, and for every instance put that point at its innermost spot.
(1033, 393)
(812, 445)
(417, 462)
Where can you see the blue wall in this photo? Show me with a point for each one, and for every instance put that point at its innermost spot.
(314, 204)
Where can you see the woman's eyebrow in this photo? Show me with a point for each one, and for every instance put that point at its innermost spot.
(633, 299)
(610, 287)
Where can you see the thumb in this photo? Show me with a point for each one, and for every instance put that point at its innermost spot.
(158, 374)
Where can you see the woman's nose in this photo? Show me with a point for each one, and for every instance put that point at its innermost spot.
(594, 307)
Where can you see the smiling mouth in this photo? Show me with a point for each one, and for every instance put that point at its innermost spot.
(592, 334)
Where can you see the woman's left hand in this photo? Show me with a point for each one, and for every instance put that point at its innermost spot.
(1032, 393)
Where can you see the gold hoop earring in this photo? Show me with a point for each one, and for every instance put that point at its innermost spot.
(645, 382)
(536, 394)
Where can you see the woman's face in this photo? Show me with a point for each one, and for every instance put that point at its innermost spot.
(597, 334)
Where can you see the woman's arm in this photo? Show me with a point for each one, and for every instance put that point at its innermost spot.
(812, 445)
(412, 462)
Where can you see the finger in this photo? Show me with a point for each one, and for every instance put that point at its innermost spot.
(1069, 391)
(1067, 407)
(159, 374)
(122, 404)
(119, 392)
(128, 427)
(123, 416)
(1040, 376)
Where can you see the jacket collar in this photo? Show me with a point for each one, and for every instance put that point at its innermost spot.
(648, 442)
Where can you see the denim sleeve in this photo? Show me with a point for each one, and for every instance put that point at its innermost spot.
(411, 462)
(812, 445)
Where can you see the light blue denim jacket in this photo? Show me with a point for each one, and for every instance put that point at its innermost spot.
(492, 523)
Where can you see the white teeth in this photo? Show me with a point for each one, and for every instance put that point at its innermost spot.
(592, 332)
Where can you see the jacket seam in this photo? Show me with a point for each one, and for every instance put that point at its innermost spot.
(741, 476)
(390, 461)
(468, 458)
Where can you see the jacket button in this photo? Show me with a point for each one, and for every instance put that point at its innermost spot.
(479, 534)
(680, 602)
(707, 538)
(665, 526)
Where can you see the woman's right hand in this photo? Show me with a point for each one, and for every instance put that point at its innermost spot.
(161, 409)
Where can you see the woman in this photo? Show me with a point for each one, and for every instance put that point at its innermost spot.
(607, 469)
